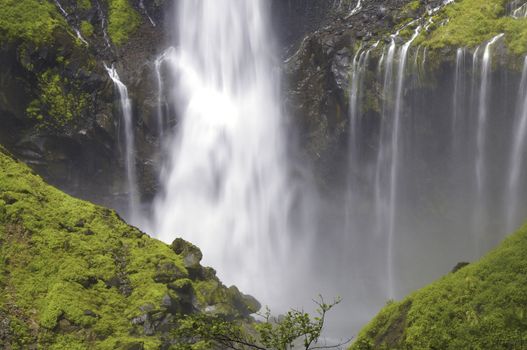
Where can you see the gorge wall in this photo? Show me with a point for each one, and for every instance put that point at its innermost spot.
(407, 112)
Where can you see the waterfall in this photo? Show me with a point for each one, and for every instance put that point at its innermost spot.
(356, 9)
(129, 146)
(394, 167)
(383, 155)
(100, 12)
(517, 9)
(459, 89)
(517, 156)
(227, 186)
(481, 133)
(67, 17)
(162, 108)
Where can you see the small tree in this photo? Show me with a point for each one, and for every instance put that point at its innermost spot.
(296, 327)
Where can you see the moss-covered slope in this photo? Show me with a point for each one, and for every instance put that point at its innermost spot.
(75, 276)
(481, 306)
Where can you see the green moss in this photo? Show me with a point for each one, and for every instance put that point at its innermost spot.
(74, 275)
(468, 23)
(28, 20)
(123, 21)
(87, 29)
(481, 306)
(59, 103)
(413, 5)
(84, 4)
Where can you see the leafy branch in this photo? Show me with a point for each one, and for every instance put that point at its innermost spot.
(273, 333)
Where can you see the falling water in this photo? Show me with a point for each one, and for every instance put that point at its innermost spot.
(67, 16)
(103, 24)
(227, 187)
(356, 9)
(129, 147)
(459, 89)
(517, 159)
(394, 167)
(162, 108)
(517, 9)
(481, 133)
(383, 150)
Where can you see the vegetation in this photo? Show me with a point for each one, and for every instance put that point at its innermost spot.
(59, 102)
(87, 29)
(84, 4)
(295, 328)
(28, 20)
(468, 23)
(480, 306)
(75, 276)
(123, 21)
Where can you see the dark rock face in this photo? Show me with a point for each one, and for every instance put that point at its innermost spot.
(318, 76)
(84, 156)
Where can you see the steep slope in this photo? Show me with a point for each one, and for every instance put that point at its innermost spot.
(480, 306)
(75, 276)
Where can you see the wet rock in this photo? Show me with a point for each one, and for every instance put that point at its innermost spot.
(243, 303)
(191, 254)
(168, 272)
(459, 266)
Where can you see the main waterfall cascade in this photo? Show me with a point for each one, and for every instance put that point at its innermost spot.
(228, 184)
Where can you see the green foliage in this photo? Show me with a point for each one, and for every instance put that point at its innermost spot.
(84, 4)
(468, 23)
(28, 20)
(60, 101)
(124, 20)
(283, 333)
(87, 29)
(481, 306)
(74, 275)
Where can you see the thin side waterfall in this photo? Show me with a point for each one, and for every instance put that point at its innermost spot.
(356, 9)
(394, 167)
(383, 155)
(517, 9)
(100, 12)
(227, 185)
(129, 146)
(167, 55)
(517, 159)
(67, 17)
(481, 143)
(459, 89)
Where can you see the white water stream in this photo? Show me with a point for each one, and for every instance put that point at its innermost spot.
(228, 185)
(133, 212)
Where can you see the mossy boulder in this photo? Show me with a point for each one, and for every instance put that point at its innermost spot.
(479, 306)
(73, 275)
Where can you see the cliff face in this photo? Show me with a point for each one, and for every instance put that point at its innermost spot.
(74, 276)
(319, 73)
(58, 108)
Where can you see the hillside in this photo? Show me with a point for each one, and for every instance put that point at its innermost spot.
(480, 306)
(75, 276)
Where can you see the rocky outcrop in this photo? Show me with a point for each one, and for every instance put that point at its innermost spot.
(318, 74)
(74, 275)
